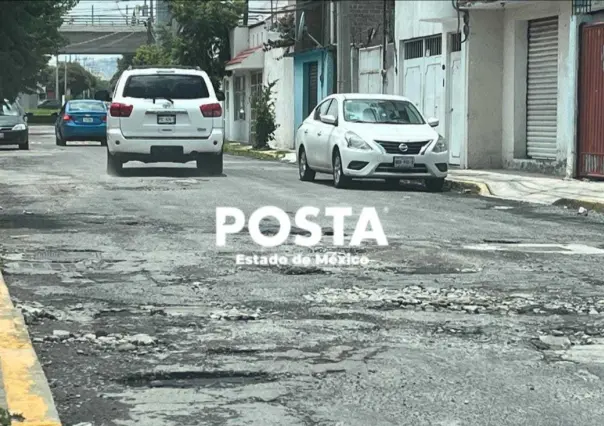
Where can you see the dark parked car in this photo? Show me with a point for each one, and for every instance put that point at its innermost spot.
(13, 125)
(50, 104)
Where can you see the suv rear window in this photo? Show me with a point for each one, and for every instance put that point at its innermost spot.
(166, 86)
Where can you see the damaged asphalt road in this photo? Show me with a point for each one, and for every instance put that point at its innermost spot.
(138, 319)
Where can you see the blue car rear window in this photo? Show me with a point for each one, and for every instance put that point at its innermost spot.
(87, 107)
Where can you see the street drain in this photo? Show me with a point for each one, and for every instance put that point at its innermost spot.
(196, 379)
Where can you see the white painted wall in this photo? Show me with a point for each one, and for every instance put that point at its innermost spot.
(484, 73)
(277, 67)
(514, 85)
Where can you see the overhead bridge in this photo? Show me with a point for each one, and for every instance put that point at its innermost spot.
(102, 35)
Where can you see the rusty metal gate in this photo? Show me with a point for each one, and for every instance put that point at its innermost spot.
(590, 157)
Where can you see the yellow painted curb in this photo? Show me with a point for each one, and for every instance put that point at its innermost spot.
(479, 187)
(27, 392)
(589, 204)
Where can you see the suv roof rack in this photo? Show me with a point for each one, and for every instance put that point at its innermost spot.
(178, 67)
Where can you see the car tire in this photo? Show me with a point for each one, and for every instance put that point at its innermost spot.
(305, 172)
(115, 166)
(211, 164)
(340, 180)
(25, 146)
(435, 184)
(59, 140)
(103, 142)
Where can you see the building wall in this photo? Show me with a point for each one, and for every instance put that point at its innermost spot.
(281, 69)
(484, 73)
(325, 86)
(365, 15)
(514, 87)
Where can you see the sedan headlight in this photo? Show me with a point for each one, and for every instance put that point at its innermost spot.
(20, 126)
(354, 141)
(441, 145)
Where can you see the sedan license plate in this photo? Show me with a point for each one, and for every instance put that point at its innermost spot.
(166, 119)
(404, 162)
(88, 120)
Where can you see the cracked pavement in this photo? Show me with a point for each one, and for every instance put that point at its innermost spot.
(139, 319)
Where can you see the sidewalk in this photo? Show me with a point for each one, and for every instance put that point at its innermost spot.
(532, 188)
(24, 391)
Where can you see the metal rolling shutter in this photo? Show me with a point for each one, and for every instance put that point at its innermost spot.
(542, 88)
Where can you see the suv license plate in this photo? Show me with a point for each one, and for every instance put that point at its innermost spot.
(166, 119)
(404, 162)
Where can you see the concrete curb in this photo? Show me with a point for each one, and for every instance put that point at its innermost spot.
(26, 389)
(477, 188)
(594, 205)
(245, 151)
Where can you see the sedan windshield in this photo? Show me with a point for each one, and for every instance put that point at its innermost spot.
(9, 109)
(381, 111)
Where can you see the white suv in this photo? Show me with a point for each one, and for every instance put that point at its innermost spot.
(165, 115)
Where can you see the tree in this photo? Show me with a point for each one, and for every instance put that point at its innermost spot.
(203, 33)
(265, 122)
(122, 65)
(78, 78)
(29, 33)
(152, 54)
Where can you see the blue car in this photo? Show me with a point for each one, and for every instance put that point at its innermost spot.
(82, 120)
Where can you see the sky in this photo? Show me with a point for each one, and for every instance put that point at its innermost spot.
(118, 9)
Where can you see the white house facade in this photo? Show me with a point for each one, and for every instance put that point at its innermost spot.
(250, 69)
(506, 95)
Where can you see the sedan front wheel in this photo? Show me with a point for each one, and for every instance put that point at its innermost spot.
(340, 180)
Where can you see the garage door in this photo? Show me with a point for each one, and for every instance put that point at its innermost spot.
(422, 74)
(542, 88)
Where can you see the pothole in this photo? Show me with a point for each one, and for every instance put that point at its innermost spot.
(466, 301)
(196, 379)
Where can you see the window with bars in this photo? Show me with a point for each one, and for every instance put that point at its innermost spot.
(455, 41)
(429, 46)
(414, 49)
(433, 46)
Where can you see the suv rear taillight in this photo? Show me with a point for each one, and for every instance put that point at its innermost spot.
(120, 110)
(211, 110)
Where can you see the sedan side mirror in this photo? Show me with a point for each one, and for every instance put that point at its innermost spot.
(329, 119)
(433, 122)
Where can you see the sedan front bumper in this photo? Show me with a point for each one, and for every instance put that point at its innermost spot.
(377, 165)
(13, 137)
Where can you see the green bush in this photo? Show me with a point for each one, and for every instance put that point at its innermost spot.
(4, 417)
(264, 124)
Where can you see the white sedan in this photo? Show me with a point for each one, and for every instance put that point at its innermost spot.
(361, 136)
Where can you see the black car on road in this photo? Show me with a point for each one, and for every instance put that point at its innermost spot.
(13, 125)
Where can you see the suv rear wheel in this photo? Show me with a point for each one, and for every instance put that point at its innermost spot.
(210, 164)
(114, 165)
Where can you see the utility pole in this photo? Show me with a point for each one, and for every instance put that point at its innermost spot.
(246, 13)
(384, 48)
(57, 79)
(150, 24)
(65, 81)
(343, 46)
